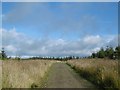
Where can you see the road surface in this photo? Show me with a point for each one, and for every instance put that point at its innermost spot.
(62, 76)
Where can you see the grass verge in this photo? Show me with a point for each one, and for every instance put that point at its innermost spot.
(24, 74)
(0, 74)
(103, 73)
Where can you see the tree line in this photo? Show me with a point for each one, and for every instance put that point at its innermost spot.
(108, 52)
(56, 58)
(3, 54)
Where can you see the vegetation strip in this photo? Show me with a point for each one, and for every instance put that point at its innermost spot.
(45, 77)
(96, 74)
(24, 74)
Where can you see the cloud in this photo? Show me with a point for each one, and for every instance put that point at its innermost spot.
(19, 12)
(61, 28)
(92, 39)
(65, 18)
(16, 43)
(113, 42)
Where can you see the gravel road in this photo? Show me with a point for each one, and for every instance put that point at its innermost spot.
(62, 76)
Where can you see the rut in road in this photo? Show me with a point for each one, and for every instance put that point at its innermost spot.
(62, 76)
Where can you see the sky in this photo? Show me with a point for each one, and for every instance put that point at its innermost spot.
(60, 0)
(58, 28)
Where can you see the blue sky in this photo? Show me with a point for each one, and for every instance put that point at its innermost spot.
(59, 23)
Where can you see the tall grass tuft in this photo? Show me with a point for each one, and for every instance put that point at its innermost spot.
(24, 74)
(0, 74)
(103, 73)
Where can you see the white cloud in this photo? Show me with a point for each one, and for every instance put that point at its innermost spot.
(11, 48)
(16, 43)
(113, 42)
(92, 39)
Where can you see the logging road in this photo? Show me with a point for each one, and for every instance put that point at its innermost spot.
(63, 76)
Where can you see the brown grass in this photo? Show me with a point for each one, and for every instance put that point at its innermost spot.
(0, 74)
(24, 74)
(103, 73)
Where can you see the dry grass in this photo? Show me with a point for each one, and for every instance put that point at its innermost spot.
(0, 74)
(23, 74)
(103, 73)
